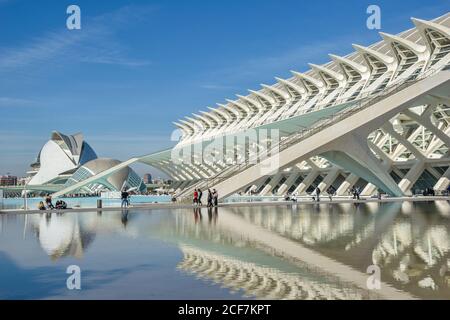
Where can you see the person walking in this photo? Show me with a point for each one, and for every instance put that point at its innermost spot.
(200, 195)
(318, 194)
(353, 192)
(195, 200)
(210, 198)
(358, 192)
(331, 192)
(215, 197)
(124, 197)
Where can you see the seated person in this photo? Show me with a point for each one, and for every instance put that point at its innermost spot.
(41, 206)
(61, 205)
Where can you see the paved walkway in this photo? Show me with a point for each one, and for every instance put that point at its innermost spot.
(247, 203)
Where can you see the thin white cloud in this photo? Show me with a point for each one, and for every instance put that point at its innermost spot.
(15, 102)
(94, 43)
(212, 86)
(277, 64)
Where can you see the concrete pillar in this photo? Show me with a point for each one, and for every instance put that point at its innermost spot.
(288, 183)
(411, 177)
(443, 182)
(347, 184)
(272, 184)
(303, 186)
(329, 179)
(355, 156)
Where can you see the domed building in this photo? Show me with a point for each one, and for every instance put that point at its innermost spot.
(124, 178)
(66, 160)
(59, 158)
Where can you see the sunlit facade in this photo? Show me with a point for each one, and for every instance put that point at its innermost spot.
(388, 104)
(377, 119)
(67, 160)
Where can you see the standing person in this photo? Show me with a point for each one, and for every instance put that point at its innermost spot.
(353, 192)
(124, 197)
(215, 197)
(294, 197)
(331, 191)
(195, 200)
(48, 202)
(318, 194)
(210, 198)
(358, 192)
(200, 195)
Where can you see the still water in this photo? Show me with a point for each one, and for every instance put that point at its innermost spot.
(259, 252)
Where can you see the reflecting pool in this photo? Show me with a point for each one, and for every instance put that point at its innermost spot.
(305, 251)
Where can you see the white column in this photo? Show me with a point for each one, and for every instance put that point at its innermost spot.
(329, 179)
(443, 182)
(288, 183)
(303, 186)
(347, 184)
(272, 184)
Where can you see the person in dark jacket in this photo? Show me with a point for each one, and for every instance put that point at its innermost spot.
(200, 195)
(124, 198)
(215, 197)
(210, 199)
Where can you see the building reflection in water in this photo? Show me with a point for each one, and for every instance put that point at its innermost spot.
(409, 241)
(259, 281)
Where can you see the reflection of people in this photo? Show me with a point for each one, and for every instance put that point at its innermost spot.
(124, 217)
(197, 215)
(210, 215)
(216, 215)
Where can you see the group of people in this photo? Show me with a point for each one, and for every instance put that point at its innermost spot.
(331, 191)
(356, 192)
(59, 205)
(213, 197)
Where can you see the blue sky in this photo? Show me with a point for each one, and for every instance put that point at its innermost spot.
(136, 66)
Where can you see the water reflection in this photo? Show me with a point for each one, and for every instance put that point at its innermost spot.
(240, 247)
(409, 241)
(261, 282)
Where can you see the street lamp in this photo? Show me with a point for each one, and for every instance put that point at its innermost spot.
(25, 199)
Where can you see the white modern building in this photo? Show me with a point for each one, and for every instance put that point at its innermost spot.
(66, 160)
(59, 158)
(377, 118)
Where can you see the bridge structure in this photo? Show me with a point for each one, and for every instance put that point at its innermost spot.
(377, 119)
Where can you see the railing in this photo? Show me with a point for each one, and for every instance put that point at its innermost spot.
(318, 126)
